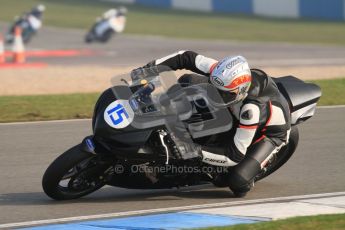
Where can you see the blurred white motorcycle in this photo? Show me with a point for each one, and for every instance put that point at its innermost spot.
(113, 21)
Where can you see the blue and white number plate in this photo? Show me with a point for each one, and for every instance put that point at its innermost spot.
(119, 114)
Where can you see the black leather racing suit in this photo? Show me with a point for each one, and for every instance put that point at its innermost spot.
(263, 118)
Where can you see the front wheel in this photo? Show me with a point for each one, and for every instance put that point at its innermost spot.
(89, 37)
(27, 35)
(9, 36)
(73, 174)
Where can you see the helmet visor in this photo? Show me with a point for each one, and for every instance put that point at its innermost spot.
(228, 97)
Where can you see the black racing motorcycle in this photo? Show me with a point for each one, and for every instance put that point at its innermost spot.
(144, 136)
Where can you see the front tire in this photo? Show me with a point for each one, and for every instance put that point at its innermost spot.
(89, 37)
(79, 168)
(27, 36)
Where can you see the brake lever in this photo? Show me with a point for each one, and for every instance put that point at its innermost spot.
(125, 81)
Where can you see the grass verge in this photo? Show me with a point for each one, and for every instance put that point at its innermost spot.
(321, 222)
(333, 91)
(70, 106)
(184, 24)
(46, 107)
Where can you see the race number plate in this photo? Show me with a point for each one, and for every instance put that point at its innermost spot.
(119, 114)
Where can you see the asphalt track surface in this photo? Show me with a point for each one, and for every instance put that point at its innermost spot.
(26, 149)
(131, 50)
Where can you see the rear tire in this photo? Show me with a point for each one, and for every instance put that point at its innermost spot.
(106, 36)
(62, 166)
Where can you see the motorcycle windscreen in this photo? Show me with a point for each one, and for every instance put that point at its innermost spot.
(158, 100)
(162, 101)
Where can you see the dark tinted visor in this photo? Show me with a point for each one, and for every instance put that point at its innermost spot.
(228, 96)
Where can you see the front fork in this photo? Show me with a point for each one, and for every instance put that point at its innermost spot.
(88, 145)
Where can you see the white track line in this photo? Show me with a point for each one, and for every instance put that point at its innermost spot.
(88, 119)
(160, 210)
(331, 107)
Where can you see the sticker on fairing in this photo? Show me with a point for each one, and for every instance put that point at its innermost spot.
(119, 114)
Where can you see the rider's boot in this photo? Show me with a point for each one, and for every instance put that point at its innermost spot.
(243, 190)
(181, 150)
(242, 175)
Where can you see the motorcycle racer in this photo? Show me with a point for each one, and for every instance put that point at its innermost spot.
(115, 19)
(112, 21)
(121, 11)
(29, 22)
(261, 111)
(35, 17)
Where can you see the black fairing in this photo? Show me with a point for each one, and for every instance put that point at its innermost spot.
(298, 93)
(127, 138)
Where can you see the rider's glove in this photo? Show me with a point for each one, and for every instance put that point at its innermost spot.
(148, 71)
(142, 73)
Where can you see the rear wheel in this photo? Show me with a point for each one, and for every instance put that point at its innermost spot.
(106, 36)
(282, 156)
(74, 174)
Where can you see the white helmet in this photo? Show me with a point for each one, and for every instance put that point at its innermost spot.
(110, 13)
(122, 10)
(41, 8)
(232, 76)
